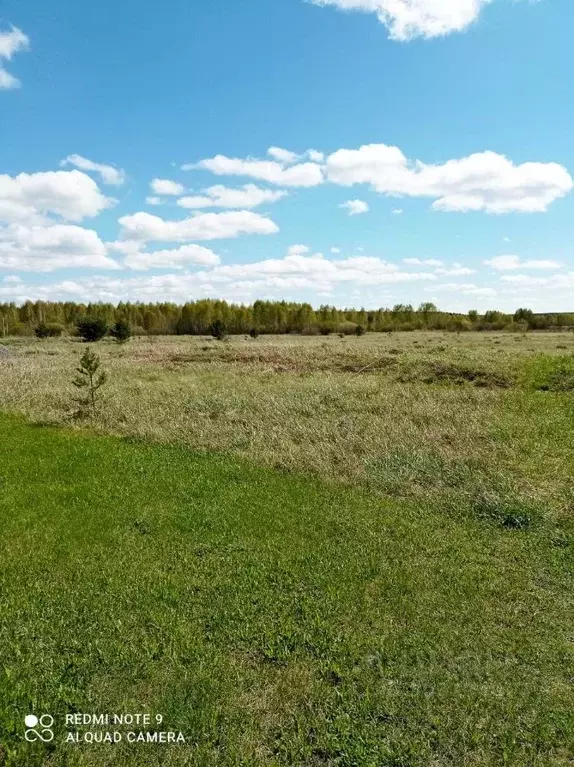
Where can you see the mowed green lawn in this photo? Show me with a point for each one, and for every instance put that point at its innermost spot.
(274, 620)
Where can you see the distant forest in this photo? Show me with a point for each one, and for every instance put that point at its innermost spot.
(198, 317)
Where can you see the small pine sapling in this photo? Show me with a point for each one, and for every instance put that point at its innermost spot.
(217, 330)
(50, 330)
(121, 332)
(42, 331)
(89, 379)
(92, 329)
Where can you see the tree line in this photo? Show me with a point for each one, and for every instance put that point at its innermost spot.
(199, 317)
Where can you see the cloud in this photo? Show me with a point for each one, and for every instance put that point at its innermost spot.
(397, 211)
(127, 247)
(556, 282)
(313, 270)
(407, 19)
(335, 250)
(248, 196)
(8, 81)
(355, 207)
(273, 278)
(467, 289)
(509, 263)
(153, 200)
(32, 207)
(455, 270)
(205, 226)
(30, 197)
(108, 173)
(45, 248)
(172, 259)
(484, 181)
(166, 187)
(298, 250)
(306, 174)
(481, 292)
(284, 156)
(423, 262)
(11, 42)
(315, 156)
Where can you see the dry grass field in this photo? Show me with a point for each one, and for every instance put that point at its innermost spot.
(455, 418)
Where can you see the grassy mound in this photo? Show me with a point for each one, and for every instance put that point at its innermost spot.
(431, 372)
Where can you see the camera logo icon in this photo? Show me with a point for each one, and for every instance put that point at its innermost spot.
(39, 728)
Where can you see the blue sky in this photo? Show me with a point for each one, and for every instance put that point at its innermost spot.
(354, 152)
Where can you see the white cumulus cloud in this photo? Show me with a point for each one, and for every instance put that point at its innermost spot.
(172, 259)
(108, 173)
(423, 262)
(167, 187)
(510, 263)
(355, 207)
(11, 41)
(455, 271)
(298, 250)
(248, 196)
(484, 181)
(467, 289)
(45, 248)
(283, 156)
(555, 282)
(286, 157)
(30, 197)
(407, 19)
(205, 226)
(315, 156)
(312, 270)
(271, 278)
(305, 174)
(7, 81)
